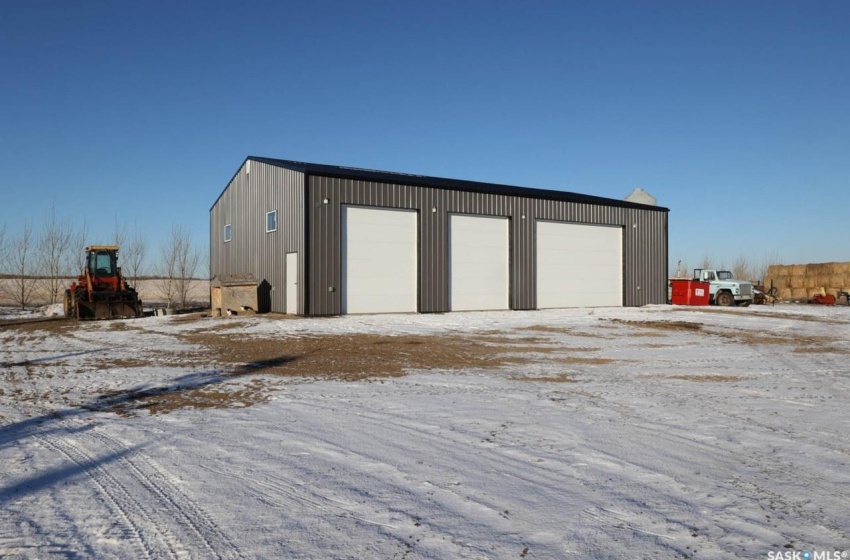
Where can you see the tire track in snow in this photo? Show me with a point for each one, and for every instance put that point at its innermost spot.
(494, 464)
(769, 480)
(502, 462)
(443, 444)
(145, 526)
(159, 543)
(179, 505)
(772, 480)
(34, 535)
(172, 503)
(282, 488)
(306, 506)
(500, 453)
(418, 498)
(118, 500)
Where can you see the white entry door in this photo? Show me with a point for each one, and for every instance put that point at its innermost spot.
(479, 263)
(579, 265)
(292, 283)
(380, 260)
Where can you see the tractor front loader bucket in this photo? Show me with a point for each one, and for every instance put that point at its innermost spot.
(116, 307)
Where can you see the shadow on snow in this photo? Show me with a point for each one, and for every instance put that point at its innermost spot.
(126, 398)
(53, 477)
(42, 425)
(51, 358)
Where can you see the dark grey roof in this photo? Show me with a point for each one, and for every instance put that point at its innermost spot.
(451, 184)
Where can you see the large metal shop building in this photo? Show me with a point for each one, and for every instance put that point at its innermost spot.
(329, 240)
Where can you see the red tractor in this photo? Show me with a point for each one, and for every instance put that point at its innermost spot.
(101, 292)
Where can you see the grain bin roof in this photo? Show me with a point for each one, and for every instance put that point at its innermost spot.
(451, 184)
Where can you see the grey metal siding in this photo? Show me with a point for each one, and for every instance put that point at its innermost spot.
(256, 189)
(644, 238)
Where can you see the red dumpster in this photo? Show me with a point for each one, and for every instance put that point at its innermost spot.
(689, 292)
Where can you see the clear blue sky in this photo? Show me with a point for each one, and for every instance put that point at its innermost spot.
(735, 115)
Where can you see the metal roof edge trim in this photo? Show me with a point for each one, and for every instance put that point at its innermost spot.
(226, 185)
(440, 182)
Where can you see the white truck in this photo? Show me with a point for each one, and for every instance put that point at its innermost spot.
(725, 290)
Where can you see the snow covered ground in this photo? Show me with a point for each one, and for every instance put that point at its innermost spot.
(658, 432)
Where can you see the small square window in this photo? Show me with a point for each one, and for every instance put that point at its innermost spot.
(271, 221)
(228, 233)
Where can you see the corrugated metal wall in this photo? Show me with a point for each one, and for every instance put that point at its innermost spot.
(256, 189)
(644, 239)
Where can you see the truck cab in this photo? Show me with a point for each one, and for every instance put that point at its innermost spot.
(724, 289)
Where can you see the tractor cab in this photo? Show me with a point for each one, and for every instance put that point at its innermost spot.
(102, 271)
(102, 262)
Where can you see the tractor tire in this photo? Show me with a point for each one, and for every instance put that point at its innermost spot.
(77, 296)
(725, 299)
(68, 304)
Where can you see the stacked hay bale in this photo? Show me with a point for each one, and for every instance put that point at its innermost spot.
(799, 282)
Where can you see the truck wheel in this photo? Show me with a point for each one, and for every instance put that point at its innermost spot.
(725, 299)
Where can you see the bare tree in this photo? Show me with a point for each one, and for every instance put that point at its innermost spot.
(133, 256)
(187, 266)
(167, 271)
(20, 287)
(53, 246)
(77, 256)
(178, 266)
(206, 264)
(207, 267)
(120, 234)
(742, 269)
(2, 248)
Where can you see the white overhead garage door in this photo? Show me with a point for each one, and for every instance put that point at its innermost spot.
(579, 265)
(379, 260)
(478, 248)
